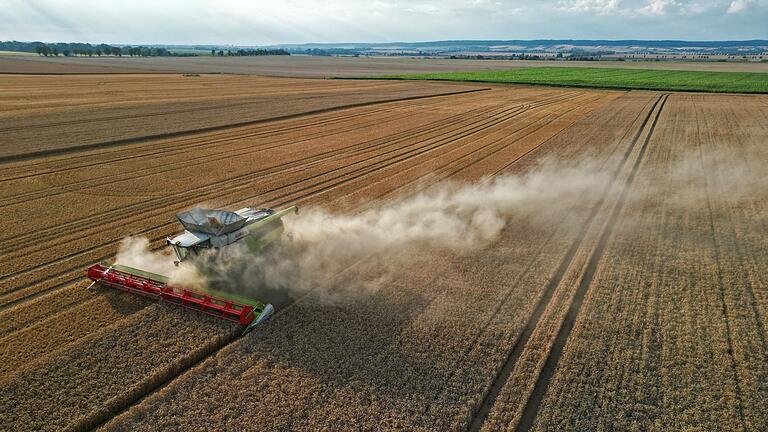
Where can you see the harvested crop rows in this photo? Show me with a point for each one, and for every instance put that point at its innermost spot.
(567, 321)
(131, 108)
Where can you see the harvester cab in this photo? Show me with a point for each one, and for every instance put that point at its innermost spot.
(205, 230)
(214, 230)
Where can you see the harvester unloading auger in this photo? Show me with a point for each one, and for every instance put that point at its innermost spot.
(205, 231)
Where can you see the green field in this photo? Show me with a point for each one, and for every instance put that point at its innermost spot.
(725, 82)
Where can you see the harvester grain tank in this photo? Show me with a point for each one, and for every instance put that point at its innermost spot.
(210, 233)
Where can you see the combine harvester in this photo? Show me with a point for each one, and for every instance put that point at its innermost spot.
(205, 231)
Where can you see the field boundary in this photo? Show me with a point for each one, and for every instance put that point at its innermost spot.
(120, 142)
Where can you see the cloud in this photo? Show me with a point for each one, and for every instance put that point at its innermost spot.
(697, 7)
(425, 8)
(599, 6)
(738, 6)
(245, 22)
(659, 7)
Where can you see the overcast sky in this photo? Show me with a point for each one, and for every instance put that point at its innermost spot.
(256, 22)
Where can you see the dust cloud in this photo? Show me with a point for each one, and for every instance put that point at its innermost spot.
(720, 176)
(456, 217)
(135, 252)
(320, 244)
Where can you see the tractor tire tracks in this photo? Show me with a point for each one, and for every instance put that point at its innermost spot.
(517, 348)
(545, 377)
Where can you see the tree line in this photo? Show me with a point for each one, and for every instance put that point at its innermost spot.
(82, 49)
(86, 49)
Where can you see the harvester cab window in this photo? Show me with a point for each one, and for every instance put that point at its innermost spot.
(184, 253)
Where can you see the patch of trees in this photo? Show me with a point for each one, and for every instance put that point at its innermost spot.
(587, 55)
(249, 52)
(142, 51)
(329, 52)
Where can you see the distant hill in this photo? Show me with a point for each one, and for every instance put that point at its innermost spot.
(583, 49)
(573, 49)
(560, 45)
(535, 43)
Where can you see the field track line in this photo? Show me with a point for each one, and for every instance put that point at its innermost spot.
(147, 72)
(438, 173)
(721, 289)
(45, 317)
(106, 144)
(740, 253)
(228, 102)
(505, 297)
(505, 167)
(276, 127)
(478, 419)
(533, 405)
(141, 149)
